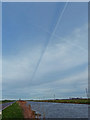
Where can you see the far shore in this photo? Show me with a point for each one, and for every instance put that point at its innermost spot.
(73, 101)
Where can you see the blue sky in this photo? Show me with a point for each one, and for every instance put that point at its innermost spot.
(45, 50)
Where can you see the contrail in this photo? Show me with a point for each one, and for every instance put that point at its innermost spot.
(73, 44)
(47, 42)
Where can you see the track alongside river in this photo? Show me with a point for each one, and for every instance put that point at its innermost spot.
(5, 105)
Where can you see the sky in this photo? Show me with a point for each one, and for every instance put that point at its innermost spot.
(44, 50)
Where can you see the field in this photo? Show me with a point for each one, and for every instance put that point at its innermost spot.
(13, 111)
(76, 101)
(5, 101)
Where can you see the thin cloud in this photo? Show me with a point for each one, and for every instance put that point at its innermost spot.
(47, 42)
(60, 58)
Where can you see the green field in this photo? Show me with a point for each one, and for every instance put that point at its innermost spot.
(76, 101)
(13, 111)
(5, 101)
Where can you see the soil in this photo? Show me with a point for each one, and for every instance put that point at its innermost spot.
(27, 111)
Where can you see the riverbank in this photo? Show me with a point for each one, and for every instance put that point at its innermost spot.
(18, 110)
(74, 101)
(27, 111)
(13, 111)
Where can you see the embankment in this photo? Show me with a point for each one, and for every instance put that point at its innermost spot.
(27, 111)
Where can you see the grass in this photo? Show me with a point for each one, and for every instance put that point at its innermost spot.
(5, 101)
(76, 101)
(13, 111)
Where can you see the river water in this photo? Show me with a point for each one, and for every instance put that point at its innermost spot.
(59, 110)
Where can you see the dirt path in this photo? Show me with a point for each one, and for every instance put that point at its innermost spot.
(27, 111)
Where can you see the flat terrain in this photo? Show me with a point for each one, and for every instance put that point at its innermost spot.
(6, 104)
(13, 111)
(75, 101)
(6, 101)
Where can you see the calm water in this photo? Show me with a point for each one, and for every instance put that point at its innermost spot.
(60, 110)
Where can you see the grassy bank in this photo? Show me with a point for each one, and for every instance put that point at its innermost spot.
(13, 111)
(76, 101)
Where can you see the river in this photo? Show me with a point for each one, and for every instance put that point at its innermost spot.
(59, 110)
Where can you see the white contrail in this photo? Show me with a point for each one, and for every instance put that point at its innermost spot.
(58, 37)
(47, 42)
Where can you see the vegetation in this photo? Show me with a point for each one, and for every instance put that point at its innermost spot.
(76, 101)
(13, 111)
(5, 101)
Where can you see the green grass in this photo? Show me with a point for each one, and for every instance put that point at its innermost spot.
(76, 101)
(5, 101)
(13, 111)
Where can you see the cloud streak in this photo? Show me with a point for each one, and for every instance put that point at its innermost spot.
(63, 69)
(47, 42)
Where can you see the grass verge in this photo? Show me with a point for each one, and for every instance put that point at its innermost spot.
(13, 111)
